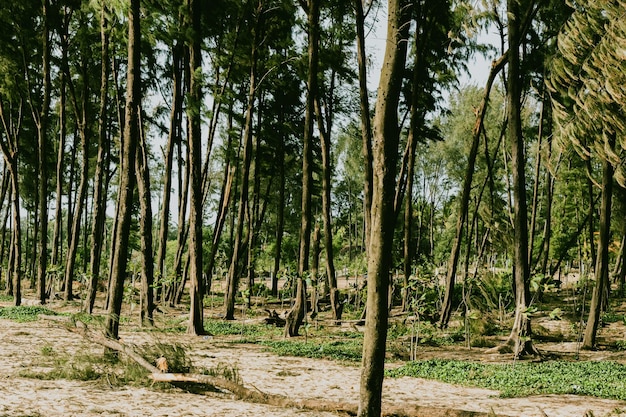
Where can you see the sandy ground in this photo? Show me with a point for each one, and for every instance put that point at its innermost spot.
(22, 349)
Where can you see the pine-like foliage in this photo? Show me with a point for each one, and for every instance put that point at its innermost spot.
(588, 79)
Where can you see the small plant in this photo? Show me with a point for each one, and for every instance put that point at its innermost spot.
(228, 372)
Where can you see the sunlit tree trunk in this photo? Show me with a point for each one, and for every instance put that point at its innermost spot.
(130, 139)
(297, 312)
(385, 149)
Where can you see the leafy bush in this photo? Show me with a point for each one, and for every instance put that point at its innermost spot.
(231, 328)
(598, 379)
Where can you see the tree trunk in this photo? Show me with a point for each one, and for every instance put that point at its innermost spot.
(602, 259)
(446, 311)
(335, 296)
(297, 312)
(99, 192)
(366, 126)
(280, 214)
(196, 323)
(386, 137)
(233, 272)
(130, 139)
(520, 335)
(42, 148)
(172, 139)
(145, 226)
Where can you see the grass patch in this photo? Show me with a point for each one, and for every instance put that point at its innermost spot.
(346, 350)
(598, 379)
(24, 314)
(233, 328)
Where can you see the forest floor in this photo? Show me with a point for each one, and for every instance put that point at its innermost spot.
(27, 349)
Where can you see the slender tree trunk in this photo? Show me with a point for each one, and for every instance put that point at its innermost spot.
(145, 225)
(602, 260)
(196, 323)
(233, 272)
(366, 124)
(280, 214)
(173, 137)
(386, 137)
(446, 311)
(99, 193)
(297, 312)
(42, 148)
(130, 139)
(58, 213)
(335, 296)
(520, 337)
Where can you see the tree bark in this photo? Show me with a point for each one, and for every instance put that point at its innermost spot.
(42, 148)
(297, 312)
(366, 124)
(130, 139)
(446, 312)
(385, 148)
(233, 272)
(602, 259)
(173, 138)
(145, 226)
(196, 323)
(520, 337)
(99, 193)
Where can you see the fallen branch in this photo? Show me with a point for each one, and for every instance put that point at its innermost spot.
(257, 396)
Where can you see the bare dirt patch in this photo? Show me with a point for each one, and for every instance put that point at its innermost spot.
(25, 347)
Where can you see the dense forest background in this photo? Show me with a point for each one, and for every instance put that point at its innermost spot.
(181, 145)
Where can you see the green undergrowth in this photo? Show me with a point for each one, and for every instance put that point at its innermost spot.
(24, 314)
(599, 379)
(344, 349)
(247, 331)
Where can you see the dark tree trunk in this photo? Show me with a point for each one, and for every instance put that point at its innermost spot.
(99, 193)
(233, 272)
(602, 259)
(196, 323)
(42, 148)
(173, 138)
(366, 126)
(145, 226)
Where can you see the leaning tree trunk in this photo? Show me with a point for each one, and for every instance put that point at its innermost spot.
(453, 261)
(130, 139)
(602, 259)
(386, 137)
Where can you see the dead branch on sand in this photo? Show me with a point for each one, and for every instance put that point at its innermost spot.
(255, 395)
